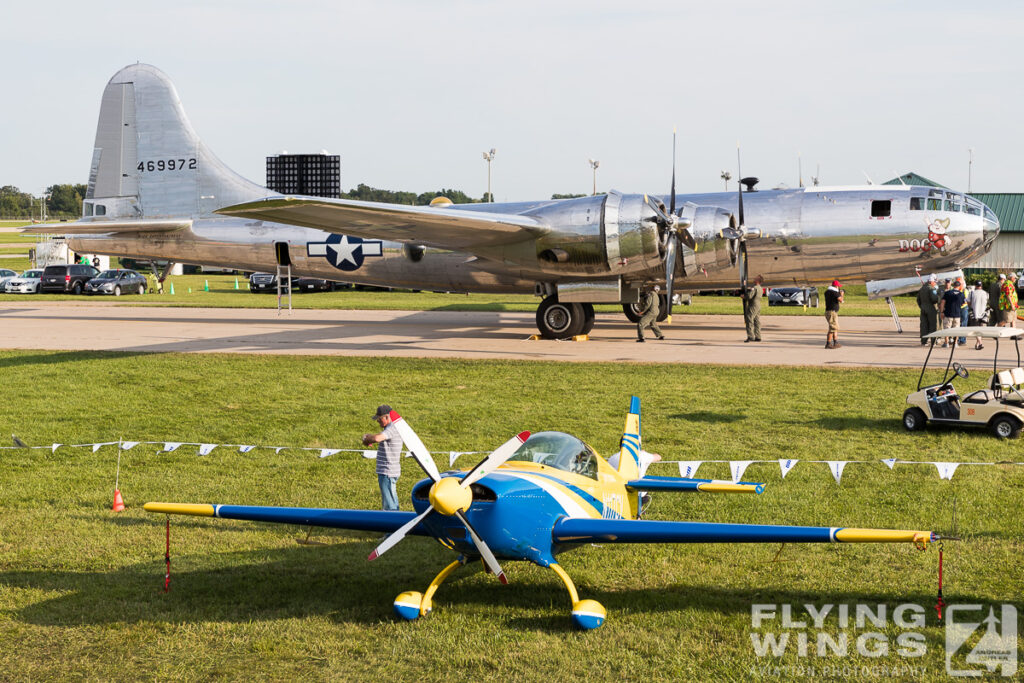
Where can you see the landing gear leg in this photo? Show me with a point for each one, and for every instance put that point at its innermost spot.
(412, 604)
(586, 614)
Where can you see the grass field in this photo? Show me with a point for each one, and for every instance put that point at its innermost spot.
(81, 587)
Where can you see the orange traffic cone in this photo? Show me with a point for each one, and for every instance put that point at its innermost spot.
(118, 501)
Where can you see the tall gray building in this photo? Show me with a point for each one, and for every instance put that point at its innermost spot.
(316, 175)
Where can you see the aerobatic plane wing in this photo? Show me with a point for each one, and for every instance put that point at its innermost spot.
(689, 484)
(361, 520)
(579, 530)
(433, 226)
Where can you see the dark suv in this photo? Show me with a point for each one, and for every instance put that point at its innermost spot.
(66, 278)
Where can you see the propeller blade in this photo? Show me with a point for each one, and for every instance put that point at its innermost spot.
(672, 201)
(416, 447)
(743, 264)
(670, 267)
(656, 207)
(485, 552)
(687, 239)
(392, 540)
(739, 176)
(498, 456)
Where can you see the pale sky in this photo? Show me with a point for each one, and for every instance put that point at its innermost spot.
(411, 93)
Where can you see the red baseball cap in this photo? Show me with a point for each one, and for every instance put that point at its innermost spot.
(835, 283)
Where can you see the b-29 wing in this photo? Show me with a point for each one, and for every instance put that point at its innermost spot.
(432, 226)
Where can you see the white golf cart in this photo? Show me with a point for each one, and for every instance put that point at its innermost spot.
(999, 405)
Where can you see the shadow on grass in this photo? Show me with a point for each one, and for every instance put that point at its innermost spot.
(334, 582)
(709, 417)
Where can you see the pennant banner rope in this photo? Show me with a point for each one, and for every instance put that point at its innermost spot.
(687, 468)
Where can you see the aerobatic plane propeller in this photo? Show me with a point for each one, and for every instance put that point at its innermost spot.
(450, 496)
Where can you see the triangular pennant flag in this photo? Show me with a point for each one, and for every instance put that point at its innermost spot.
(946, 469)
(325, 452)
(836, 467)
(737, 468)
(688, 468)
(786, 464)
(369, 454)
(890, 462)
(205, 448)
(55, 447)
(245, 449)
(453, 456)
(171, 446)
(97, 446)
(128, 445)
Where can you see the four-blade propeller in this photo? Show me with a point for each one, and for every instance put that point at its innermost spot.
(450, 496)
(674, 229)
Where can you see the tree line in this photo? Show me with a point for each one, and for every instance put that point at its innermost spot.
(65, 201)
(62, 201)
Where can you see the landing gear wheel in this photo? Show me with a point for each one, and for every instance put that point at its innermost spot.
(407, 605)
(663, 308)
(914, 419)
(117, 290)
(632, 312)
(1005, 427)
(558, 320)
(588, 318)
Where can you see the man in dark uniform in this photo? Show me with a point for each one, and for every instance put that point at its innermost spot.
(649, 317)
(928, 302)
(833, 297)
(752, 309)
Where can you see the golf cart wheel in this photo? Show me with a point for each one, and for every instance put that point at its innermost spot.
(914, 419)
(1005, 427)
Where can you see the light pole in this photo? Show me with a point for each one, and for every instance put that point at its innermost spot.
(970, 163)
(594, 164)
(489, 157)
(726, 176)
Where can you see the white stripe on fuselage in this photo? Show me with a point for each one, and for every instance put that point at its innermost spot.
(571, 507)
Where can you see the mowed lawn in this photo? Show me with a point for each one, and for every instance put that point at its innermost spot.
(81, 587)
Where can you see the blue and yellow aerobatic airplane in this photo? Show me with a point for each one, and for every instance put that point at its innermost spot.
(533, 498)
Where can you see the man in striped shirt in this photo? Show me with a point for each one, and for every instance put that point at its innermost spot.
(389, 457)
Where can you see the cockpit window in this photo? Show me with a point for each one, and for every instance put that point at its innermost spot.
(934, 204)
(560, 451)
(953, 201)
(881, 208)
(990, 215)
(973, 207)
(917, 203)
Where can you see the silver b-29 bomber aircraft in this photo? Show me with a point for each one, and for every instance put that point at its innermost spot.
(156, 192)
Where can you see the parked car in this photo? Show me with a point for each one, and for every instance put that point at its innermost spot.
(6, 275)
(117, 282)
(26, 283)
(67, 277)
(267, 282)
(787, 296)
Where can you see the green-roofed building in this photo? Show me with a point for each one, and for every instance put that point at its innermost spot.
(1008, 250)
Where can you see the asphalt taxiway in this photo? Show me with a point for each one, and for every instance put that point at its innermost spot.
(788, 340)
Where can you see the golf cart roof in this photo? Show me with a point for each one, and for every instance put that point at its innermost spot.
(983, 332)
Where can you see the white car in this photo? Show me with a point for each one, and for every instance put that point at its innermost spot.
(5, 275)
(26, 283)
